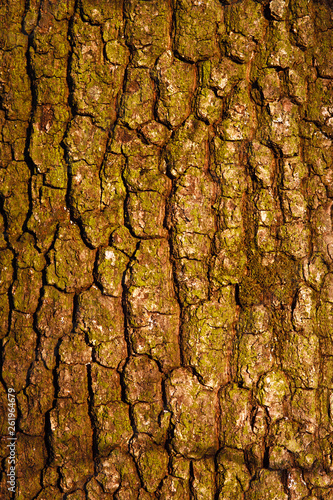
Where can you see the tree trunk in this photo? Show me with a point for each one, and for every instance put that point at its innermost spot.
(166, 239)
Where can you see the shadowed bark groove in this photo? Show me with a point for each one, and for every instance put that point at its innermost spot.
(166, 249)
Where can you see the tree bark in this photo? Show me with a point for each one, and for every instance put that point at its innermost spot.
(166, 246)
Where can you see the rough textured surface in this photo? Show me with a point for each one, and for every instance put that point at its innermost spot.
(166, 248)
